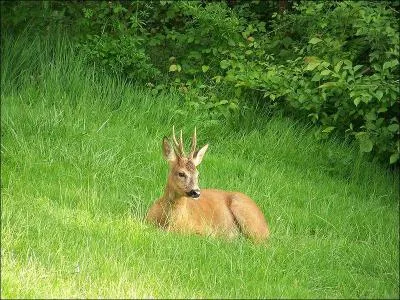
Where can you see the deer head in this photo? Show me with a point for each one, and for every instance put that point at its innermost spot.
(183, 175)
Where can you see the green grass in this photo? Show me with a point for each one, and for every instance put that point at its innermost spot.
(81, 163)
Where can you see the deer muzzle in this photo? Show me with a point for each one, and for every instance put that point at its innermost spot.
(194, 193)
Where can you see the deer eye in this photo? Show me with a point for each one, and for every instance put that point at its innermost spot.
(180, 174)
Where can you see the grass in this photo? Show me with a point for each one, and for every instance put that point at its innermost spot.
(81, 163)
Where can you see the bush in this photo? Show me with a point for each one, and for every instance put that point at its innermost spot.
(339, 67)
(333, 63)
(113, 39)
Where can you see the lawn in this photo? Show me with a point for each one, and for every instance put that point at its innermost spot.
(81, 163)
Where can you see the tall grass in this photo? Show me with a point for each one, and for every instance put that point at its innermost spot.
(81, 163)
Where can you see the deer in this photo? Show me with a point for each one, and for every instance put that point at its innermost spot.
(184, 208)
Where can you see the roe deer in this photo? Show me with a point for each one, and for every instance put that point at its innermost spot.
(184, 208)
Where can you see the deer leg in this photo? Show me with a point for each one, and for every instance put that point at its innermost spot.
(249, 217)
(157, 215)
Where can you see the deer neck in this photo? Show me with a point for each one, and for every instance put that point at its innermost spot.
(170, 195)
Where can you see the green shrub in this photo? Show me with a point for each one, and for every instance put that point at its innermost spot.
(336, 63)
(123, 55)
(188, 40)
(114, 41)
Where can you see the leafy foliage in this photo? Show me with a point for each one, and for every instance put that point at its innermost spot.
(114, 40)
(334, 63)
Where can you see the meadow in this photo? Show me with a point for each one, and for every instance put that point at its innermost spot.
(81, 163)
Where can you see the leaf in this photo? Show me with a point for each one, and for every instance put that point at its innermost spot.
(327, 85)
(225, 64)
(314, 41)
(222, 102)
(394, 157)
(356, 68)
(390, 64)
(312, 65)
(382, 109)
(205, 68)
(313, 116)
(311, 59)
(379, 94)
(233, 106)
(393, 127)
(338, 66)
(357, 101)
(371, 116)
(325, 64)
(217, 78)
(348, 63)
(325, 72)
(386, 65)
(366, 144)
(173, 68)
(316, 77)
(231, 43)
(328, 129)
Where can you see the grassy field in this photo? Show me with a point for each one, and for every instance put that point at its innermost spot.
(81, 163)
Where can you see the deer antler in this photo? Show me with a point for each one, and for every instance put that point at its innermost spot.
(194, 142)
(178, 146)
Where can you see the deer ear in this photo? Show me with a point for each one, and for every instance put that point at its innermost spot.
(168, 151)
(198, 156)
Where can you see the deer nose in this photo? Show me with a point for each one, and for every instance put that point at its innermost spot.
(194, 193)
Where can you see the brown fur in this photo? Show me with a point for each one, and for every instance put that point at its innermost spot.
(215, 212)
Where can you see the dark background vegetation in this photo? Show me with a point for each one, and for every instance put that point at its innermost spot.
(332, 63)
